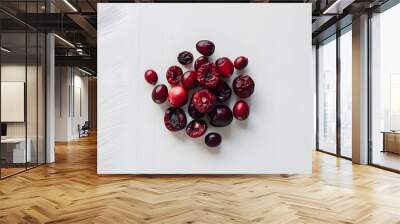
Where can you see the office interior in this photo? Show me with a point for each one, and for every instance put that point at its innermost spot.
(49, 93)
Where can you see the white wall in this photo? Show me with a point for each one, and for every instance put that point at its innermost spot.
(34, 126)
(69, 82)
(277, 137)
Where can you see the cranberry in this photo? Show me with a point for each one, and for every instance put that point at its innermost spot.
(204, 100)
(189, 80)
(243, 86)
(241, 110)
(177, 96)
(174, 74)
(196, 128)
(193, 112)
(200, 61)
(240, 62)
(223, 92)
(185, 57)
(151, 76)
(220, 116)
(160, 93)
(174, 119)
(213, 139)
(205, 47)
(207, 75)
(224, 66)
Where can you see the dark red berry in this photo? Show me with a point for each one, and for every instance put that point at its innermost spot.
(196, 128)
(189, 80)
(224, 66)
(241, 110)
(213, 139)
(205, 47)
(174, 74)
(193, 112)
(243, 86)
(160, 93)
(177, 96)
(174, 119)
(223, 92)
(185, 57)
(240, 62)
(200, 61)
(220, 116)
(151, 76)
(204, 100)
(207, 75)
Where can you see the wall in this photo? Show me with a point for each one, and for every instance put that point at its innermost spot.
(277, 137)
(71, 102)
(34, 125)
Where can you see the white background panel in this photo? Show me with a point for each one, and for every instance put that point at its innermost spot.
(278, 135)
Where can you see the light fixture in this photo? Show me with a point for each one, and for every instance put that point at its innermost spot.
(70, 5)
(337, 7)
(64, 40)
(84, 71)
(329, 9)
(5, 50)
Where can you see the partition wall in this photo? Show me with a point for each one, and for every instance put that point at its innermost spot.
(22, 90)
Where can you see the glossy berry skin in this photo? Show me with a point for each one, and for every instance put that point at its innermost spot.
(177, 96)
(222, 91)
(204, 100)
(193, 112)
(213, 139)
(185, 57)
(196, 128)
(151, 76)
(174, 74)
(220, 116)
(175, 119)
(189, 80)
(241, 110)
(224, 66)
(200, 61)
(205, 47)
(243, 86)
(241, 62)
(208, 76)
(160, 93)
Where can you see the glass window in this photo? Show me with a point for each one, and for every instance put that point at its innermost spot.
(327, 96)
(346, 94)
(385, 87)
(22, 101)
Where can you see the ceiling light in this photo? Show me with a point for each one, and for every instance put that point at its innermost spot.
(84, 71)
(333, 6)
(70, 5)
(65, 41)
(5, 50)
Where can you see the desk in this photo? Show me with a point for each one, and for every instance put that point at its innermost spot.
(391, 141)
(15, 148)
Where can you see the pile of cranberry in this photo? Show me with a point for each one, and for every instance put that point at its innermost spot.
(210, 90)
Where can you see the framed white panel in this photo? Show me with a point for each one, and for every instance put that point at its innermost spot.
(12, 101)
(278, 135)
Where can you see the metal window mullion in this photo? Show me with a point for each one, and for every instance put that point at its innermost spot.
(369, 91)
(317, 97)
(26, 87)
(338, 92)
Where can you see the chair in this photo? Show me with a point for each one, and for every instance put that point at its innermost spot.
(84, 130)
